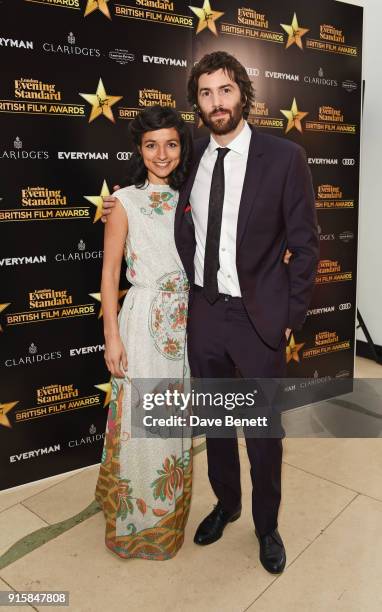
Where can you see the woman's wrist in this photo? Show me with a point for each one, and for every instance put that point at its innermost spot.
(111, 335)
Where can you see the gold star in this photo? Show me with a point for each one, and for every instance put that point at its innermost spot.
(98, 201)
(101, 103)
(93, 5)
(295, 33)
(292, 350)
(97, 296)
(207, 17)
(4, 408)
(106, 388)
(294, 117)
(3, 307)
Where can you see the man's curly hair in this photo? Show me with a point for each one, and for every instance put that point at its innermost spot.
(211, 63)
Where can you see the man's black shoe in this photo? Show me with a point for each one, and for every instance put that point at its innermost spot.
(272, 552)
(212, 527)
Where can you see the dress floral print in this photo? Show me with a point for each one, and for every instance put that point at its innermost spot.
(144, 484)
(130, 260)
(159, 203)
(168, 315)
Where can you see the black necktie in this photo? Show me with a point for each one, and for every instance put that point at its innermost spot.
(215, 211)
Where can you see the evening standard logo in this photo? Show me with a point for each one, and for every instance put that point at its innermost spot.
(83, 155)
(331, 271)
(33, 357)
(33, 89)
(14, 43)
(261, 116)
(41, 203)
(33, 454)
(56, 399)
(322, 161)
(326, 342)
(69, 47)
(320, 79)
(164, 61)
(150, 97)
(91, 439)
(283, 76)
(157, 11)
(331, 196)
(252, 24)
(18, 152)
(32, 197)
(49, 305)
(86, 350)
(22, 261)
(330, 120)
(331, 39)
(153, 97)
(121, 56)
(81, 254)
(36, 97)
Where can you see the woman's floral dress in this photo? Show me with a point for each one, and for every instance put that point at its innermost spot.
(144, 484)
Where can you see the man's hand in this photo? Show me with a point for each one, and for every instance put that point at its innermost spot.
(108, 204)
(288, 254)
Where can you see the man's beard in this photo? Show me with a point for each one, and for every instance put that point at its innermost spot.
(222, 126)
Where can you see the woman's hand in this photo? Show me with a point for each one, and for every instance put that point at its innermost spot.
(115, 357)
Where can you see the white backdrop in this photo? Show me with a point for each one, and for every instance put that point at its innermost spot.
(370, 247)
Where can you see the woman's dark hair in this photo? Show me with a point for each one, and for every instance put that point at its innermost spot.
(211, 63)
(156, 118)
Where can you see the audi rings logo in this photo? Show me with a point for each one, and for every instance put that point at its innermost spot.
(348, 161)
(123, 155)
(346, 306)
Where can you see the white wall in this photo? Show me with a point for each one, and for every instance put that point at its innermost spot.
(370, 246)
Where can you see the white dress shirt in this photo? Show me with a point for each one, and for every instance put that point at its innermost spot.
(235, 163)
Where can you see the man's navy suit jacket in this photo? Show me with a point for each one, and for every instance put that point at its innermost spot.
(277, 211)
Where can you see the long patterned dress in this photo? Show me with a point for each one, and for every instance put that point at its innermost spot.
(144, 485)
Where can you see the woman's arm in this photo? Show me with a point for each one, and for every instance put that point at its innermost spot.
(114, 241)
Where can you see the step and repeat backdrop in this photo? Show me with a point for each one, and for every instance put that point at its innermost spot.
(74, 72)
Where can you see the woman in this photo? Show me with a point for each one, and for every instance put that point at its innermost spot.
(144, 485)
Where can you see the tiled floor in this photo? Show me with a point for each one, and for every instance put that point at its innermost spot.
(330, 520)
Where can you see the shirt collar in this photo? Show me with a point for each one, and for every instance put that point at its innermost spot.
(240, 144)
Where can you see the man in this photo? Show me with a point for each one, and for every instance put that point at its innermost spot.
(248, 198)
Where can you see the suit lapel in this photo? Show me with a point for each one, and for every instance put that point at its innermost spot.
(251, 182)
